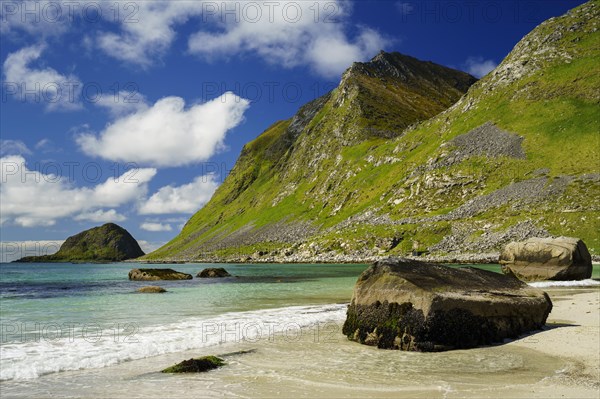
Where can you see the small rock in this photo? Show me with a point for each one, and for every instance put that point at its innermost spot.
(157, 274)
(152, 289)
(198, 365)
(212, 272)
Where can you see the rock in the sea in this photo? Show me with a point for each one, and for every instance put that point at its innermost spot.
(198, 365)
(106, 243)
(538, 259)
(417, 306)
(213, 272)
(152, 289)
(157, 274)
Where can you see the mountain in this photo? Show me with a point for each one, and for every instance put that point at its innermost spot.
(106, 243)
(397, 158)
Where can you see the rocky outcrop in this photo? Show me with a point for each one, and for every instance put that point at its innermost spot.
(106, 243)
(198, 365)
(416, 306)
(213, 272)
(538, 259)
(152, 289)
(157, 274)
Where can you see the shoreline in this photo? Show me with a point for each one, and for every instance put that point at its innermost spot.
(560, 361)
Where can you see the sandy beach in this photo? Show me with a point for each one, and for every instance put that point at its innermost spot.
(573, 334)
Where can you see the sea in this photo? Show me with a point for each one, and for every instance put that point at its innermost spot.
(83, 330)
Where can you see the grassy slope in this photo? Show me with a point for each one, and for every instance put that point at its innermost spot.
(556, 109)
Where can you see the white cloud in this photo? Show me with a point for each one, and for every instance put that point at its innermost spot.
(30, 198)
(142, 42)
(122, 103)
(168, 134)
(149, 246)
(289, 34)
(39, 18)
(13, 250)
(187, 198)
(46, 146)
(13, 147)
(56, 91)
(479, 67)
(101, 216)
(155, 227)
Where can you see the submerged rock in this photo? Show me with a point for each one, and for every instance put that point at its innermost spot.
(536, 259)
(213, 272)
(416, 306)
(198, 365)
(157, 274)
(152, 289)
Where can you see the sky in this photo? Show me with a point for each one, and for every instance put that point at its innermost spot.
(134, 112)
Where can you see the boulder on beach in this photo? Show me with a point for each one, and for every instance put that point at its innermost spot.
(538, 259)
(213, 272)
(151, 289)
(198, 365)
(157, 274)
(417, 306)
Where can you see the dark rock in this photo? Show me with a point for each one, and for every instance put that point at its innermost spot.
(213, 272)
(157, 274)
(152, 289)
(106, 243)
(198, 365)
(538, 259)
(416, 306)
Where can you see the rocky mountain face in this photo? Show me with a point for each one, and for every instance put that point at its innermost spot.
(398, 158)
(106, 243)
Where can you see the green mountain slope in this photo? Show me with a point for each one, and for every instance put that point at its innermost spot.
(106, 243)
(357, 174)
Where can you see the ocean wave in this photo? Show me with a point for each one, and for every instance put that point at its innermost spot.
(93, 347)
(572, 283)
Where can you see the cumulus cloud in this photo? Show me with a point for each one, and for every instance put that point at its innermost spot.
(122, 103)
(155, 227)
(290, 34)
(13, 147)
(479, 67)
(101, 216)
(168, 133)
(56, 91)
(187, 198)
(30, 198)
(142, 42)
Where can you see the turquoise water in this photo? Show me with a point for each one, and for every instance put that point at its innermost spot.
(61, 317)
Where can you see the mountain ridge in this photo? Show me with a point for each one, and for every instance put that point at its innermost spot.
(393, 160)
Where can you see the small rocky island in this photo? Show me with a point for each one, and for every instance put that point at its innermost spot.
(106, 243)
(416, 306)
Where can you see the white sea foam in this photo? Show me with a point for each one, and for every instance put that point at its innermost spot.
(572, 283)
(88, 349)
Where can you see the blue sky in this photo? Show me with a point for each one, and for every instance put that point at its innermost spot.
(134, 112)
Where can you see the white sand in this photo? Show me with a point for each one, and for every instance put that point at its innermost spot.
(573, 334)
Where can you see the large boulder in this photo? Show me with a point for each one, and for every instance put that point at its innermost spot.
(157, 274)
(537, 259)
(213, 272)
(417, 306)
